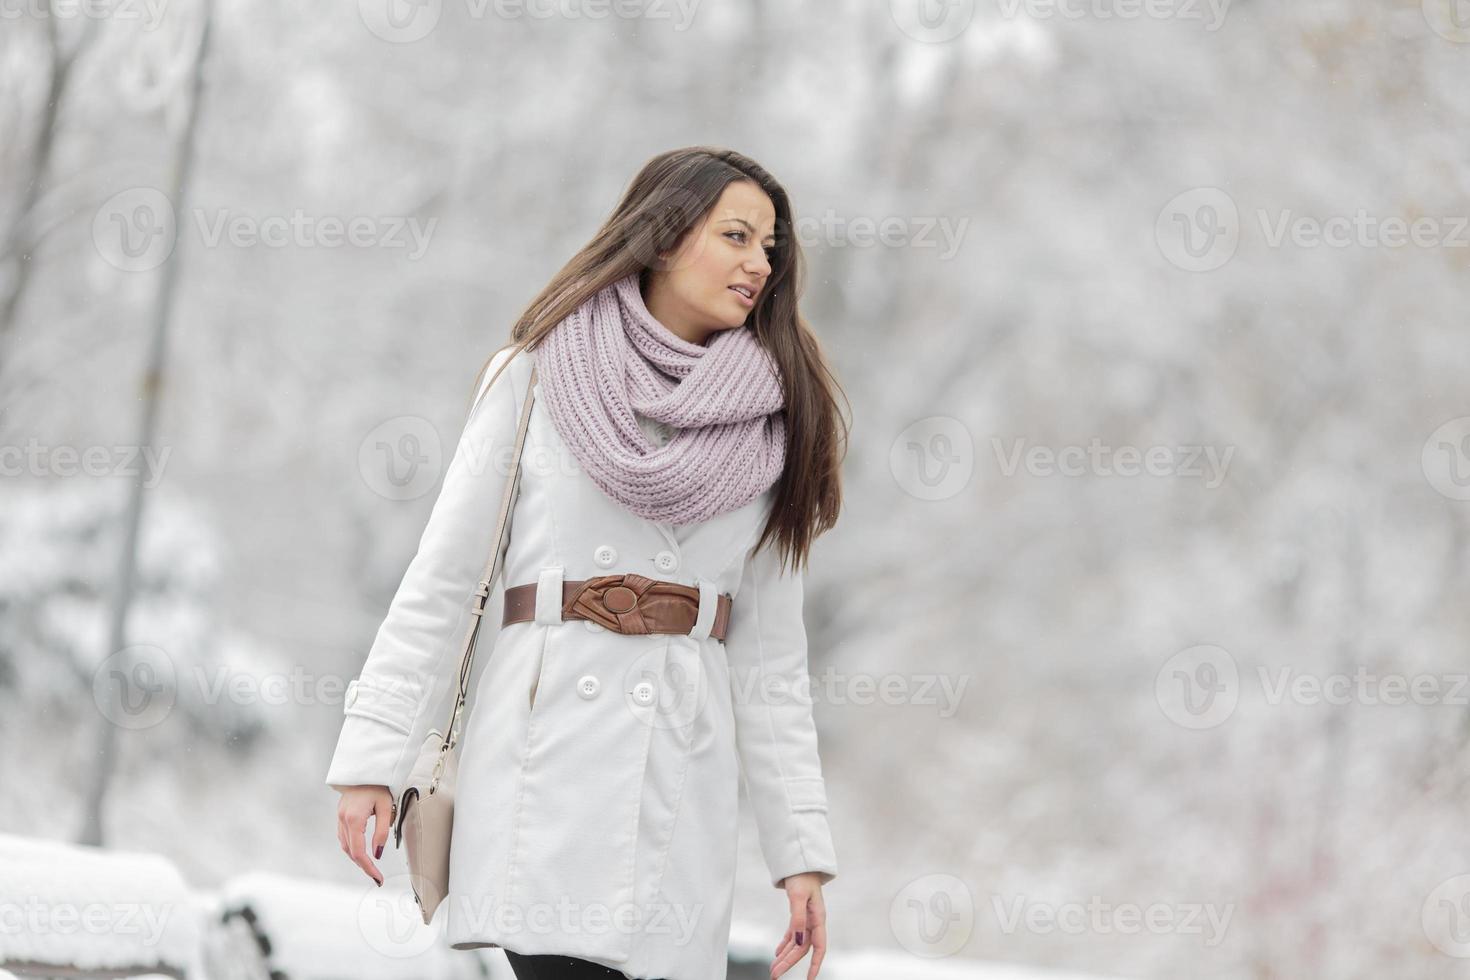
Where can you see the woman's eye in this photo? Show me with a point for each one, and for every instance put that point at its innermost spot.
(740, 235)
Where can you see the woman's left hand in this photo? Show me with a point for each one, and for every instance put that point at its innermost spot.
(808, 928)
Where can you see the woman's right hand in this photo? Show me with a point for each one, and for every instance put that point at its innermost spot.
(356, 805)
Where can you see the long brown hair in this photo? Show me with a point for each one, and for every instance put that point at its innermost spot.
(671, 194)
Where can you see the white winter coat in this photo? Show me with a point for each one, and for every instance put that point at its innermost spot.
(596, 810)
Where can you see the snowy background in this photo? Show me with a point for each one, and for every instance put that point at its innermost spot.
(1140, 648)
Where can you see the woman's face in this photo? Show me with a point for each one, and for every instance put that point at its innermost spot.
(700, 293)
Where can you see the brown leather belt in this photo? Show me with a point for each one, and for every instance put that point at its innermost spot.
(625, 603)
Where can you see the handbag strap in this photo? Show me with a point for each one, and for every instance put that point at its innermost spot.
(487, 580)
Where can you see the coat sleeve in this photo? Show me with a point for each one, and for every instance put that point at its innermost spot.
(775, 736)
(403, 689)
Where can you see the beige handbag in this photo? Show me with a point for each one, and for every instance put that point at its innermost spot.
(425, 808)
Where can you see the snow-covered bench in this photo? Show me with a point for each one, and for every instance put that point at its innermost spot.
(79, 911)
(264, 925)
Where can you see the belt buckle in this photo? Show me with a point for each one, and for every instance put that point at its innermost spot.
(611, 601)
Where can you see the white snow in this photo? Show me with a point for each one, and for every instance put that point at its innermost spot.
(890, 965)
(318, 929)
(93, 909)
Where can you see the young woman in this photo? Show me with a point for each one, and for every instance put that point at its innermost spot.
(683, 451)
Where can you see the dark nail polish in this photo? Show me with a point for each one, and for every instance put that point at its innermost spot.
(380, 882)
(379, 852)
(798, 938)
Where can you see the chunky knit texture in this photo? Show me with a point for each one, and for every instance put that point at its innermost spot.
(610, 358)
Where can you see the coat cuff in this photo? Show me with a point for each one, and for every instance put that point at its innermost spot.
(806, 844)
(372, 749)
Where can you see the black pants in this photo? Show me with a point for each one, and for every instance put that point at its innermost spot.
(554, 967)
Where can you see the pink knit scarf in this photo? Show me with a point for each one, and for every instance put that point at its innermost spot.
(610, 358)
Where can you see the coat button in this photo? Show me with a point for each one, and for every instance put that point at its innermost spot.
(351, 694)
(587, 686)
(605, 556)
(666, 561)
(643, 692)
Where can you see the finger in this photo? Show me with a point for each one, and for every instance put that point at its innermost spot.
(786, 946)
(382, 823)
(819, 949)
(792, 951)
(343, 835)
(791, 957)
(800, 927)
(356, 837)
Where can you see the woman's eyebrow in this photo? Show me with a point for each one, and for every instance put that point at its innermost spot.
(768, 238)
